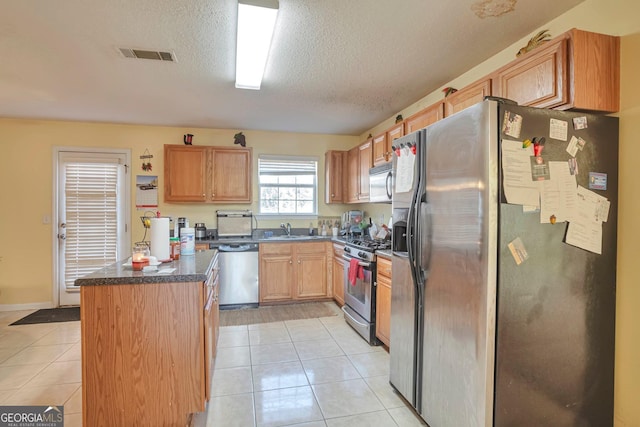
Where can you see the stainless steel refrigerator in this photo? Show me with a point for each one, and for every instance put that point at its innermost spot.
(496, 320)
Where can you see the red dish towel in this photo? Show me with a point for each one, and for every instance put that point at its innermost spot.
(355, 271)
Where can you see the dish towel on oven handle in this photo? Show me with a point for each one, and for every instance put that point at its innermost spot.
(356, 271)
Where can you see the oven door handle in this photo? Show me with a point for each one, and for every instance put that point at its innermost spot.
(351, 317)
(360, 263)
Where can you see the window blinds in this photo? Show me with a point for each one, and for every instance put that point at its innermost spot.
(91, 218)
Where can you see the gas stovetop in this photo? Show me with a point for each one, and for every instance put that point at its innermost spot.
(365, 249)
(369, 245)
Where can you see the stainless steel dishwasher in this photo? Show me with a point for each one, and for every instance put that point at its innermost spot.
(238, 275)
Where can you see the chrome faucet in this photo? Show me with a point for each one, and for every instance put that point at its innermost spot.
(286, 228)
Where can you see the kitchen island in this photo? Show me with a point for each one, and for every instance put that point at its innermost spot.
(148, 342)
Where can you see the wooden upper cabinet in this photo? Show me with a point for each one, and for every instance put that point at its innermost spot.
(577, 69)
(383, 142)
(538, 80)
(380, 144)
(467, 96)
(393, 133)
(207, 174)
(359, 161)
(353, 174)
(185, 173)
(366, 163)
(335, 173)
(231, 175)
(424, 118)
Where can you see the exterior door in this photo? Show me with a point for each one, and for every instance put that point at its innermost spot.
(93, 205)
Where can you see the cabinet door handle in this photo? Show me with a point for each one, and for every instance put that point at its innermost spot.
(290, 262)
(298, 261)
(204, 195)
(333, 195)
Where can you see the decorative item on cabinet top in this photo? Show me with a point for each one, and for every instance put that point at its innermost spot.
(239, 138)
(449, 90)
(188, 139)
(535, 41)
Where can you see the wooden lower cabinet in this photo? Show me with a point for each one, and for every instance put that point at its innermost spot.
(293, 271)
(159, 359)
(338, 273)
(383, 300)
(211, 323)
(311, 270)
(147, 351)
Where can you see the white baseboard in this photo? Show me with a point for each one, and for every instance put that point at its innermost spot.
(28, 306)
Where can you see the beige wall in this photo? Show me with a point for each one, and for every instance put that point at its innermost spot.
(26, 187)
(620, 17)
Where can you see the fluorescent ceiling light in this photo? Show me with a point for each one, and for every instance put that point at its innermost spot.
(256, 21)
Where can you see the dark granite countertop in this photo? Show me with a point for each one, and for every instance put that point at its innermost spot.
(274, 239)
(191, 268)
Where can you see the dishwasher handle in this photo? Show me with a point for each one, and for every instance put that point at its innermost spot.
(241, 247)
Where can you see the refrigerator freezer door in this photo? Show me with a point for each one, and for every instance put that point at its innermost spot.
(403, 318)
(460, 291)
(556, 312)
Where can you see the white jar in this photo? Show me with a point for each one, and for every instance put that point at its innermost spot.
(187, 241)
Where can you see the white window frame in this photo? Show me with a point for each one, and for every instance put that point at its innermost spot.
(284, 158)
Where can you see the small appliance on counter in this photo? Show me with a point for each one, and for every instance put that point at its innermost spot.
(234, 224)
(351, 222)
(179, 225)
(201, 230)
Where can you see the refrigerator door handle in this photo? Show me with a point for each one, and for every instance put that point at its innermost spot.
(424, 251)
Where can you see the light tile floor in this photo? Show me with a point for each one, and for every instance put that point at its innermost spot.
(41, 365)
(311, 372)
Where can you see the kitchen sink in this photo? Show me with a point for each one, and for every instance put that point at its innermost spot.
(293, 237)
(286, 237)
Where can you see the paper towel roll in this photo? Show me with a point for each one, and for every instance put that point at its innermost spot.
(160, 238)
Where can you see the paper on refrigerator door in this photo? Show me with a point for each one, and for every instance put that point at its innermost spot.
(404, 172)
(519, 189)
(558, 195)
(585, 228)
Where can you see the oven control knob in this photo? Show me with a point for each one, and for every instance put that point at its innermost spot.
(362, 255)
(347, 250)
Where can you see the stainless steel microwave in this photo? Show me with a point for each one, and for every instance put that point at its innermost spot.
(380, 184)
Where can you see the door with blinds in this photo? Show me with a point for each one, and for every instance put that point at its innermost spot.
(92, 213)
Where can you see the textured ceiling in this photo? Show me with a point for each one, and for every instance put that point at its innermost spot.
(336, 66)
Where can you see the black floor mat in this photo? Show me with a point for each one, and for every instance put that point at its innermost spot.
(47, 315)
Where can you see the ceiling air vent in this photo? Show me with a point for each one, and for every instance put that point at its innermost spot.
(147, 54)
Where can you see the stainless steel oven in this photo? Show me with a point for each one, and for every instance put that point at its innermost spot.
(359, 286)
